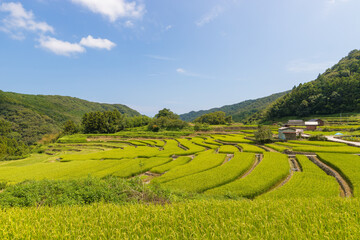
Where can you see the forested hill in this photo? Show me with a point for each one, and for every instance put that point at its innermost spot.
(35, 115)
(239, 111)
(335, 91)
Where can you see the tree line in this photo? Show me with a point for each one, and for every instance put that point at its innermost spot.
(113, 121)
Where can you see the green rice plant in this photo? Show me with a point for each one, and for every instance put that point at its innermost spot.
(198, 219)
(277, 147)
(312, 182)
(76, 138)
(228, 149)
(214, 177)
(159, 143)
(251, 148)
(319, 143)
(347, 165)
(192, 148)
(200, 141)
(128, 152)
(271, 170)
(137, 142)
(202, 162)
(289, 144)
(319, 149)
(139, 165)
(212, 142)
(248, 131)
(233, 139)
(170, 165)
(60, 170)
(172, 148)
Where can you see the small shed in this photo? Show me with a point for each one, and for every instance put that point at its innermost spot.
(287, 133)
(311, 126)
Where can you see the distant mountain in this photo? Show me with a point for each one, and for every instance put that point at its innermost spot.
(35, 115)
(239, 111)
(337, 90)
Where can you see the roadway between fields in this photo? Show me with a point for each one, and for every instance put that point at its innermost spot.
(334, 139)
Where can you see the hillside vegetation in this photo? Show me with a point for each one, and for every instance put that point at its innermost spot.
(240, 111)
(35, 115)
(335, 91)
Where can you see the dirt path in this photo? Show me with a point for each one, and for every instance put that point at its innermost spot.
(228, 158)
(258, 159)
(345, 189)
(149, 176)
(295, 166)
(182, 147)
(267, 148)
(334, 139)
(238, 147)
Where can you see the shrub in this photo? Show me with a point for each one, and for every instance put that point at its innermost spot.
(263, 134)
(80, 192)
(204, 127)
(317, 138)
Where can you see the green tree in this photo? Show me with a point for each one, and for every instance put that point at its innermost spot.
(167, 114)
(263, 134)
(214, 118)
(167, 120)
(70, 127)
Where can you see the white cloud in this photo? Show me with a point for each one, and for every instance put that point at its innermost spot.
(97, 43)
(20, 20)
(210, 16)
(180, 70)
(61, 47)
(113, 9)
(168, 27)
(129, 24)
(299, 66)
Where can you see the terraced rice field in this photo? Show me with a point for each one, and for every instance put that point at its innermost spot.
(201, 174)
(310, 182)
(202, 162)
(347, 165)
(229, 171)
(213, 165)
(272, 170)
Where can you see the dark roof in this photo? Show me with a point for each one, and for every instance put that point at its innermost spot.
(314, 120)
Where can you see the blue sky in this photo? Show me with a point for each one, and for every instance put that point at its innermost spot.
(182, 55)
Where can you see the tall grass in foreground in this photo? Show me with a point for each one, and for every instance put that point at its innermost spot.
(226, 219)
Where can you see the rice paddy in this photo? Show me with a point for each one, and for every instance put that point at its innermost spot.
(270, 198)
